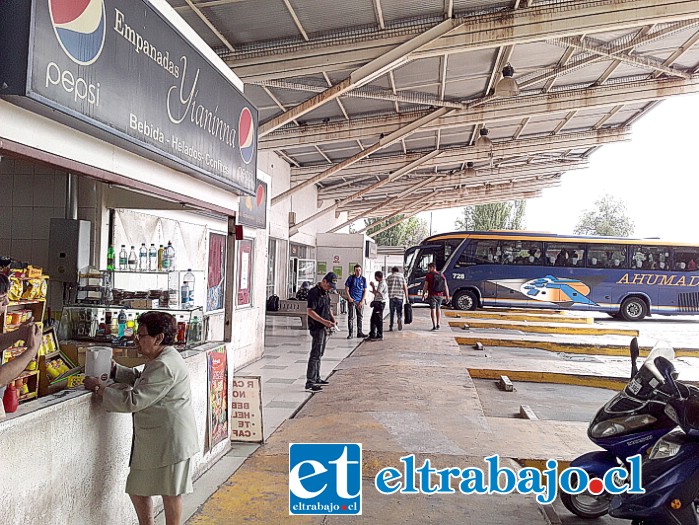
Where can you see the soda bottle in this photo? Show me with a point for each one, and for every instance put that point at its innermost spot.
(121, 321)
(110, 258)
(194, 335)
(123, 258)
(152, 258)
(132, 259)
(181, 330)
(187, 290)
(161, 252)
(143, 257)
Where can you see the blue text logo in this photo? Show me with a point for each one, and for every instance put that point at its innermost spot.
(500, 479)
(325, 478)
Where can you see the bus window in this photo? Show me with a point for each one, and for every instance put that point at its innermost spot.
(606, 256)
(564, 254)
(686, 259)
(485, 253)
(424, 260)
(650, 258)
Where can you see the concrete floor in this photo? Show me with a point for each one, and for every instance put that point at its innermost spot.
(411, 393)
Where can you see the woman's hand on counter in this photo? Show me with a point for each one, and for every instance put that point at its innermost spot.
(94, 385)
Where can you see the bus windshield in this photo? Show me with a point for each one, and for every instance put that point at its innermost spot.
(627, 278)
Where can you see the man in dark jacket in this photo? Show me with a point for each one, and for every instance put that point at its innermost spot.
(320, 321)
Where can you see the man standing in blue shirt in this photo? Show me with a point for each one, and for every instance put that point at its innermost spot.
(355, 291)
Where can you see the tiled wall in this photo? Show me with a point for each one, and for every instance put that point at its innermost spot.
(31, 196)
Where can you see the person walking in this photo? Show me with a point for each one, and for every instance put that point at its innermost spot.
(355, 290)
(164, 429)
(437, 293)
(380, 291)
(397, 289)
(320, 322)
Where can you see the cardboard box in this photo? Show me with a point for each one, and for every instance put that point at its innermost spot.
(142, 303)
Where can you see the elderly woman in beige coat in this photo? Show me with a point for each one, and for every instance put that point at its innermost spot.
(165, 434)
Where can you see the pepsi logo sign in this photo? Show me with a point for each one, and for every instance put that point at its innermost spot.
(246, 135)
(80, 27)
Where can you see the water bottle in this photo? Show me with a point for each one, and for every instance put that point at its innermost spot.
(187, 290)
(123, 258)
(110, 258)
(132, 259)
(143, 257)
(169, 258)
(152, 258)
(121, 321)
(161, 254)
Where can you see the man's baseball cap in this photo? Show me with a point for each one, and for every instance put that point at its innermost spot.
(331, 279)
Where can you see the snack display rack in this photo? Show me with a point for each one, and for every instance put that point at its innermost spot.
(27, 300)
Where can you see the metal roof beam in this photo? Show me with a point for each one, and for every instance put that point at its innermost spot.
(407, 206)
(382, 143)
(365, 74)
(396, 223)
(367, 209)
(598, 47)
(518, 26)
(485, 176)
(529, 146)
(395, 176)
(499, 110)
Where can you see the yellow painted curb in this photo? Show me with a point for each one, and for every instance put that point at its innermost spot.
(542, 329)
(496, 310)
(611, 383)
(522, 317)
(569, 348)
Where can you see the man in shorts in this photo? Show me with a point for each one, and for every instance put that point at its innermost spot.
(437, 292)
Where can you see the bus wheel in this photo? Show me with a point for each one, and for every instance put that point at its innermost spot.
(465, 300)
(633, 309)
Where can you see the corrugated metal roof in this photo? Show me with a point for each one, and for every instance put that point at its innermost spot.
(344, 35)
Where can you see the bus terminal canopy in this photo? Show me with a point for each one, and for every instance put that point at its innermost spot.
(381, 103)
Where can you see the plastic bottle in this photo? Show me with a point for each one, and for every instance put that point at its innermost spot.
(123, 258)
(11, 398)
(132, 259)
(161, 252)
(187, 290)
(194, 335)
(129, 330)
(121, 321)
(169, 258)
(143, 258)
(110, 258)
(152, 258)
(181, 330)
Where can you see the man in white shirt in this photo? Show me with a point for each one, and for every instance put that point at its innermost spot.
(380, 291)
(397, 289)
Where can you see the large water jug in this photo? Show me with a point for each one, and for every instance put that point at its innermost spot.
(98, 362)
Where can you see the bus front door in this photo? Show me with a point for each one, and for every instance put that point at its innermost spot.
(418, 271)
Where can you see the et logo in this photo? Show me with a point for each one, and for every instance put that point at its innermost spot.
(325, 478)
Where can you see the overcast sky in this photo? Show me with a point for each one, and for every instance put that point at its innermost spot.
(655, 174)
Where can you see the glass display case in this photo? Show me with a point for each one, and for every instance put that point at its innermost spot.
(115, 325)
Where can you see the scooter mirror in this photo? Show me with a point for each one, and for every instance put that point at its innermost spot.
(634, 350)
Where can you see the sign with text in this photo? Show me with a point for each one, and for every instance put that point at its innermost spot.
(121, 66)
(246, 409)
(217, 409)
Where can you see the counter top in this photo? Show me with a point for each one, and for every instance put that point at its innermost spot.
(73, 395)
